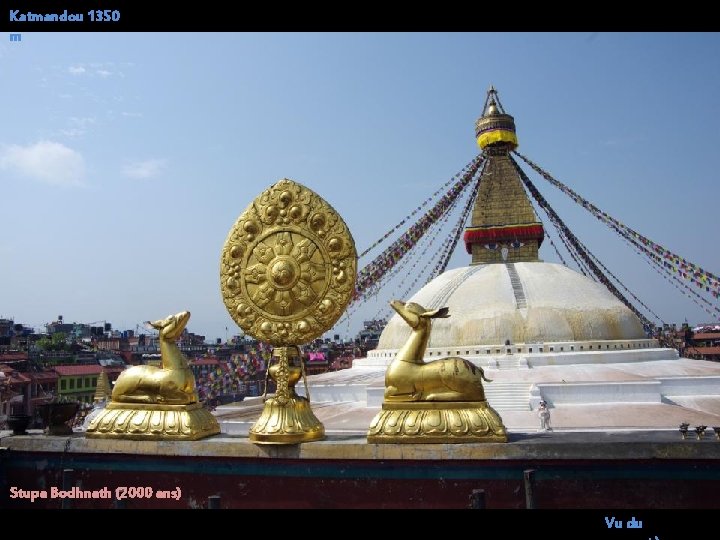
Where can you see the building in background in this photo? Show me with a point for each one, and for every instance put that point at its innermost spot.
(77, 383)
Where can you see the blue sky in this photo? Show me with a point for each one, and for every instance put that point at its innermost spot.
(126, 158)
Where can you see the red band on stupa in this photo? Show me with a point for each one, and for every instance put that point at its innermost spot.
(503, 234)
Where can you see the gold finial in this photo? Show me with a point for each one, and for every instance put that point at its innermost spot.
(495, 128)
(492, 108)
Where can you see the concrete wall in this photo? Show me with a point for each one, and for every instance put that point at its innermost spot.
(334, 392)
(611, 392)
(572, 471)
(375, 396)
(602, 357)
(690, 386)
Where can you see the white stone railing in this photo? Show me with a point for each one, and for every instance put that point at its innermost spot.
(602, 392)
(690, 386)
(467, 351)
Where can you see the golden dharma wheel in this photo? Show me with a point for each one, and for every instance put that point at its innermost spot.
(288, 266)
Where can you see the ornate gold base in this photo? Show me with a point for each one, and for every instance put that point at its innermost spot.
(437, 422)
(287, 421)
(153, 422)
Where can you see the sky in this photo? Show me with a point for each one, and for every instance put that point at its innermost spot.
(127, 157)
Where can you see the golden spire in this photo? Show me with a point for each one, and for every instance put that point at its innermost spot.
(504, 227)
(102, 390)
(495, 128)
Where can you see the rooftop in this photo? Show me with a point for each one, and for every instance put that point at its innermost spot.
(204, 362)
(43, 376)
(69, 371)
(706, 335)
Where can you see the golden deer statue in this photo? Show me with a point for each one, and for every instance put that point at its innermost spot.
(436, 402)
(171, 384)
(151, 403)
(409, 378)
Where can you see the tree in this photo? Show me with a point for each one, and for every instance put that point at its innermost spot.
(55, 342)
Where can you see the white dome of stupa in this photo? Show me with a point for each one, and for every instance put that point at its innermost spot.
(524, 302)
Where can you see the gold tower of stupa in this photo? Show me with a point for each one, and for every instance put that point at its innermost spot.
(504, 227)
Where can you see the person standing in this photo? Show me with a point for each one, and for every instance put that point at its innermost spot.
(544, 415)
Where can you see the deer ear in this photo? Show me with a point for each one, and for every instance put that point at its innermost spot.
(441, 313)
(157, 325)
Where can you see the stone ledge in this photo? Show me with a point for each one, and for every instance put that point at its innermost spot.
(662, 445)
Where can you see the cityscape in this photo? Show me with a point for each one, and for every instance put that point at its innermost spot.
(64, 362)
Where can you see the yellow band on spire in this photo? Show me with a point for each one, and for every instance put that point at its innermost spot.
(496, 136)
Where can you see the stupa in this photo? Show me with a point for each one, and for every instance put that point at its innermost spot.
(541, 330)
